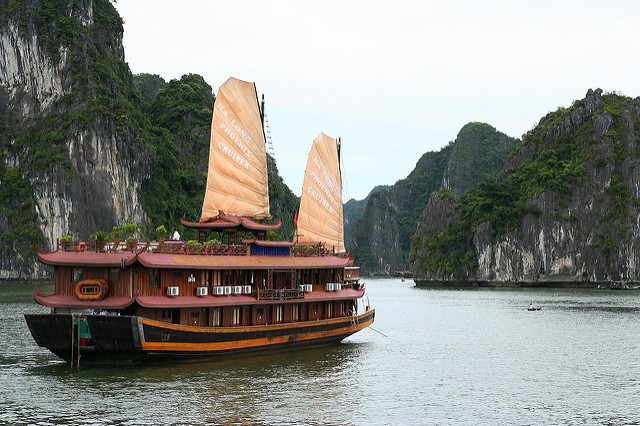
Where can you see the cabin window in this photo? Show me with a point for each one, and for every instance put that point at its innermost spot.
(227, 278)
(279, 313)
(329, 310)
(215, 317)
(77, 274)
(114, 275)
(166, 314)
(154, 278)
(176, 277)
(308, 278)
(237, 315)
(341, 309)
(295, 313)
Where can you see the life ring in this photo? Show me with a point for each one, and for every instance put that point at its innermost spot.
(82, 246)
(92, 289)
(184, 249)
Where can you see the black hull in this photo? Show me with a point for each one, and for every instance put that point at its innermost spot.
(114, 339)
(132, 339)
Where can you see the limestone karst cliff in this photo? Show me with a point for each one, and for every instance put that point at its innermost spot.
(381, 236)
(85, 145)
(66, 135)
(564, 210)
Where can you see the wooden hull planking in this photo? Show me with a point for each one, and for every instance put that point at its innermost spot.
(133, 339)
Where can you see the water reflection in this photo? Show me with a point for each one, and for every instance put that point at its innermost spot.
(250, 389)
(463, 356)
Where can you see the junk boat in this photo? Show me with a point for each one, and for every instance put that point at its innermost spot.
(234, 291)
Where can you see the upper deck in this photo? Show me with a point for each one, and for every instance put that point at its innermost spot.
(251, 254)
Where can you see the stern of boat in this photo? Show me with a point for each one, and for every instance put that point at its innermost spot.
(87, 339)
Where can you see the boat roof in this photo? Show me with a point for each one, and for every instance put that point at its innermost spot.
(223, 222)
(268, 243)
(194, 261)
(88, 258)
(70, 301)
(180, 261)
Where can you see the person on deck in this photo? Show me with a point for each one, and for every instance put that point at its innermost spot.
(176, 235)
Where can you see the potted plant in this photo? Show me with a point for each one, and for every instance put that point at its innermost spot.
(100, 239)
(116, 235)
(194, 246)
(161, 233)
(66, 242)
(131, 242)
(130, 229)
(209, 246)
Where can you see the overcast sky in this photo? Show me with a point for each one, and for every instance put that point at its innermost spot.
(393, 79)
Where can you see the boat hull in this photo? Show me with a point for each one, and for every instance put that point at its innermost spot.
(133, 339)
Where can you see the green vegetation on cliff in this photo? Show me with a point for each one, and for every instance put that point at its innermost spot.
(283, 203)
(553, 160)
(478, 153)
(181, 116)
(391, 213)
(416, 189)
(161, 130)
(149, 85)
(17, 207)
(97, 94)
(96, 80)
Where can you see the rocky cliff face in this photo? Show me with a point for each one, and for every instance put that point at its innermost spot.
(30, 79)
(85, 146)
(353, 211)
(382, 234)
(376, 235)
(84, 168)
(478, 154)
(564, 211)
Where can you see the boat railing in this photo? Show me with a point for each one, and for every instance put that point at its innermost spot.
(279, 294)
(181, 247)
(310, 251)
(103, 247)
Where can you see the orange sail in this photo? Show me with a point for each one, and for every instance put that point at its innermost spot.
(237, 181)
(320, 218)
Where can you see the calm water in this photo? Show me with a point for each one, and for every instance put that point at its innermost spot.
(446, 357)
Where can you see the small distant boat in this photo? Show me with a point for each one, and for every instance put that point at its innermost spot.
(533, 308)
(621, 286)
(404, 274)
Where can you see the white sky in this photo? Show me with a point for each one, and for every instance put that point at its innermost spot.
(393, 79)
